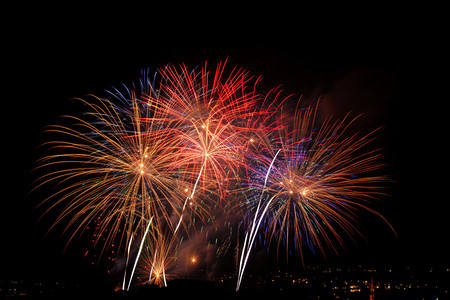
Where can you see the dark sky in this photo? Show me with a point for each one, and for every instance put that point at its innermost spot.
(369, 66)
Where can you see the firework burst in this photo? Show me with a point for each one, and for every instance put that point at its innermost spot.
(210, 116)
(113, 167)
(311, 185)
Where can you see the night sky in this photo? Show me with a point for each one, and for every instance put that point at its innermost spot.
(369, 65)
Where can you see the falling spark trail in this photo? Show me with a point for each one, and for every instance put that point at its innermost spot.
(243, 263)
(253, 230)
(164, 277)
(126, 265)
(139, 252)
(190, 197)
(153, 265)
